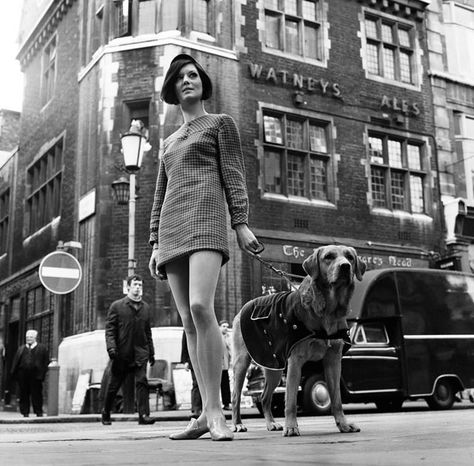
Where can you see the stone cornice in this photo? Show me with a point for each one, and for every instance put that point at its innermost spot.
(43, 30)
(413, 9)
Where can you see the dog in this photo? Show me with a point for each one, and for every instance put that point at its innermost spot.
(290, 328)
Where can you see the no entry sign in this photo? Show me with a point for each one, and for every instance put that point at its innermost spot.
(60, 272)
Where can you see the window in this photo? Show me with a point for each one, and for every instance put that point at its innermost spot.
(123, 9)
(296, 156)
(201, 16)
(39, 314)
(371, 334)
(4, 211)
(146, 16)
(294, 27)
(44, 189)
(459, 30)
(389, 49)
(398, 174)
(271, 282)
(49, 71)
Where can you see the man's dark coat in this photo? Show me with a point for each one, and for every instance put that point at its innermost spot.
(128, 331)
(40, 358)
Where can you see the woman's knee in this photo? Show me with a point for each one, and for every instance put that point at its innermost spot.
(201, 311)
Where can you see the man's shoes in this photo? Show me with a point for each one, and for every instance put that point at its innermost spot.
(227, 408)
(105, 418)
(145, 419)
(25, 415)
(39, 415)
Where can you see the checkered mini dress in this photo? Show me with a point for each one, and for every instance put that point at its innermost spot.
(202, 167)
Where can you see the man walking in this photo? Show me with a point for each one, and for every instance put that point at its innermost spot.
(29, 368)
(130, 347)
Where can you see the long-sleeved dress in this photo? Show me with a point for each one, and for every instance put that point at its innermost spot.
(202, 167)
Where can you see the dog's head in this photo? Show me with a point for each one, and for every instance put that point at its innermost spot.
(330, 282)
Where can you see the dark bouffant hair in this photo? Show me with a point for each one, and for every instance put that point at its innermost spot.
(168, 93)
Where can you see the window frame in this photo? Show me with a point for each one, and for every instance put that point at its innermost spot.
(43, 200)
(5, 200)
(382, 163)
(282, 17)
(49, 69)
(285, 151)
(397, 24)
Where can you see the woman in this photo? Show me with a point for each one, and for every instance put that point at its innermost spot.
(202, 167)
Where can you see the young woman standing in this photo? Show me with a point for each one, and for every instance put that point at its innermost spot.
(201, 170)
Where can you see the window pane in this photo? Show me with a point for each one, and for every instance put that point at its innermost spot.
(389, 63)
(200, 15)
(387, 35)
(290, 7)
(414, 157)
(272, 31)
(291, 36)
(416, 194)
(294, 134)
(395, 153)
(404, 37)
(317, 139)
(272, 172)
(377, 181)
(398, 190)
(146, 17)
(469, 127)
(405, 68)
(311, 41)
(295, 175)
(272, 4)
(309, 10)
(272, 127)
(169, 16)
(372, 59)
(318, 179)
(371, 28)
(376, 150)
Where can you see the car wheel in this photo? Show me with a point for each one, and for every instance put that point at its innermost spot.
(316, 399)
(278, 406)
(443, 395)
(389, 406)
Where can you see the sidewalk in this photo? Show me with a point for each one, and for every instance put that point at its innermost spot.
(11, 417)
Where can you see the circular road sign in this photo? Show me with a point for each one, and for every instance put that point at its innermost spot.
(60, 272)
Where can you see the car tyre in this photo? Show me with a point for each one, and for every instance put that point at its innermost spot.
(316, 399)
(443, 395)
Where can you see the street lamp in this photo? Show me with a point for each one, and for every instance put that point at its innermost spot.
(134, 145)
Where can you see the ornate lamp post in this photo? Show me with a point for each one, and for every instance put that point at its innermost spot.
(134, 145)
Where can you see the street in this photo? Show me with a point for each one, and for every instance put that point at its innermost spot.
(411, 437)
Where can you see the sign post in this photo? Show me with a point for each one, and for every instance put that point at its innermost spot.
(60, 273)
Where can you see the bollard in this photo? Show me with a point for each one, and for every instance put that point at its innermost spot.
(53, 387)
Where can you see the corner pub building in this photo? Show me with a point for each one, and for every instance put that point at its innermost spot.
(333, 103)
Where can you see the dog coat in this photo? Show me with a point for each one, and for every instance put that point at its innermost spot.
(270, 329)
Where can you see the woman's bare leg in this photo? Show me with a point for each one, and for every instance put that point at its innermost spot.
(178, 279)
(204, 269)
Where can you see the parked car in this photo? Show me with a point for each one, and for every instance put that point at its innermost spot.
(412, 334)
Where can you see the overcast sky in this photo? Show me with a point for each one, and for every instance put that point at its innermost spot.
(11, 81)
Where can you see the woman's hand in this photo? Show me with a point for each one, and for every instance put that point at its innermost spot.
(153, 264)
(246, 239)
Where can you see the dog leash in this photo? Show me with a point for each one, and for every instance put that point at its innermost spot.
(270, 266)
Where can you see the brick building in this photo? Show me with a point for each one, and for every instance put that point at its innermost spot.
(333, 102)
(450, 25)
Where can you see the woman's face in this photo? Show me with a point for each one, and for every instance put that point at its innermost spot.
(188, 86)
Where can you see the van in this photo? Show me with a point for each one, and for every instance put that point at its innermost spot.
(412, 335)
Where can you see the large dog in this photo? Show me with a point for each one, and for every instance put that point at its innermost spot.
(294, 327)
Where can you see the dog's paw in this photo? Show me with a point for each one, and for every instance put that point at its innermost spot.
(274, 426)
(291, 432)
(240, 428)
(347, 428)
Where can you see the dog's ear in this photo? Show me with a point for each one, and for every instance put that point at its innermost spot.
(359, 266)
(311, 264)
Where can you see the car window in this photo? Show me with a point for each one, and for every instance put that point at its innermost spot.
(373, 333)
